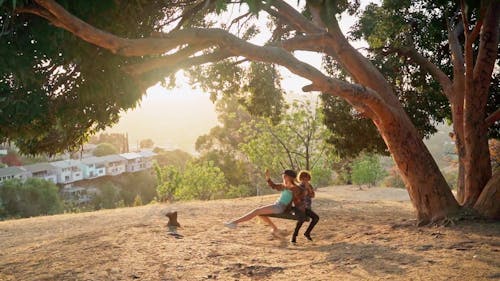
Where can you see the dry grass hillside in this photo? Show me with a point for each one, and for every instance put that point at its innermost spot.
(364, 234)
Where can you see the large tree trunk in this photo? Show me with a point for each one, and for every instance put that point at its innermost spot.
(428, 190)
(458, 128)
(477, 161)
(478, 79)
(488, 203)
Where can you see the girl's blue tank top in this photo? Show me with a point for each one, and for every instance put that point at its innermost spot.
(285, 197)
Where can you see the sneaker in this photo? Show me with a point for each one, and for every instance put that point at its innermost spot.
(230, 225)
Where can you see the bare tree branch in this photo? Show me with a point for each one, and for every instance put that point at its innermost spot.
(488, 46)
(494, 117)
(151, 64)
(237, 19)
(457, 56)
(293, 17)
(314, 42)
(39, 12)
(423, 62)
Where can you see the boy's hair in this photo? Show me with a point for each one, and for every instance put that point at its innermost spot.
(302, 173)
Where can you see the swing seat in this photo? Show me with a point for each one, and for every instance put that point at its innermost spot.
(287, 215)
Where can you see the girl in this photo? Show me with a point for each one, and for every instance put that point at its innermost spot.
(287, 188)
(304, 178)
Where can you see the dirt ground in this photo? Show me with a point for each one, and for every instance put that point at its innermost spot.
(367, 234)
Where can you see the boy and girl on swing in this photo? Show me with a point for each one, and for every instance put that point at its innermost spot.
(300, 193)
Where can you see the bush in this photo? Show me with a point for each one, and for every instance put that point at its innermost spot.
(137, 201)
(108, 198)
(168, 180)
(366, 169)
(240, 191)
(202, 181)
(33, 197)
(105, 149)
(321, 176)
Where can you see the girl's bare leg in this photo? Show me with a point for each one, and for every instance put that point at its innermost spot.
(256, 212)
(269, 222)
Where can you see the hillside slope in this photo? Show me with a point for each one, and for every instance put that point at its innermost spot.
(362, 235)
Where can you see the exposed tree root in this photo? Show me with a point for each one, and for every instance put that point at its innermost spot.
(464, 214)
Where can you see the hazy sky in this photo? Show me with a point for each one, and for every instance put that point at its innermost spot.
(175, 118)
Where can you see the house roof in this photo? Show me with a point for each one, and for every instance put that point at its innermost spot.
(131, 155)
(112, 158)
(65, 163)
(38, 167)
(11, 171)
(93, 160)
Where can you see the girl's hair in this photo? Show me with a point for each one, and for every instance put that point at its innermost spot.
(302, 173)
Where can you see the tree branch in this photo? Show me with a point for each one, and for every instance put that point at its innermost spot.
(314, 42)
(293, 17)
(488, 45)
(39, 12)
(115, 44)
(151, 64)
(423, 62)
(494, 117)
(235, 46)
(457, 56)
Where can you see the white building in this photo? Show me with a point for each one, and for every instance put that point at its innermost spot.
(115, 164)
(42, 170)
(93, 167)
(67, 171)
(147, 156)
(135, 162)
(10, 173)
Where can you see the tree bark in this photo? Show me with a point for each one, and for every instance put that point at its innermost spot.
(428, 189)
(488, 203)
(478, 78)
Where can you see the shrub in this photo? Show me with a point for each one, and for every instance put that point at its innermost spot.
(33, 197)
(137, 200)
(203, 181)
(366, 169)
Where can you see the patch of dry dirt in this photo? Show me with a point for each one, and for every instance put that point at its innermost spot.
(366, 234)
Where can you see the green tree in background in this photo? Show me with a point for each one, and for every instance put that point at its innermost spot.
(147, 143)
(296, 142)
(221, 145)
(108, 197)
(120, 141)
(34, 197)
(366, 169)
(105, 149)
(177, 158)
(202, 181)
(168, 180)
(142, 184)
